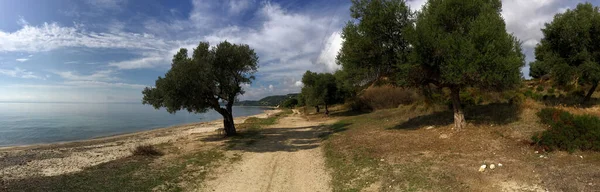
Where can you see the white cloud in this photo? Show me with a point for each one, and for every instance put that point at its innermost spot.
(144, 62)
(100, 84)
(22, 59)
(103, 75)
(330, 51)
(298, 84)
(416, 4)
(51, 36)
(237, 6)
(19, 73)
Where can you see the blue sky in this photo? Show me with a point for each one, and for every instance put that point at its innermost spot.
(109, 50)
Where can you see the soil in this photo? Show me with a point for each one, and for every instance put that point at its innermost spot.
(287, 158)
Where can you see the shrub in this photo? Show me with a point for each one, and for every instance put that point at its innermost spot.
(387, 96)
(146, 150)
(528, 93)
(518, 98)
(540, 88)
(551, 91)
(567, 131)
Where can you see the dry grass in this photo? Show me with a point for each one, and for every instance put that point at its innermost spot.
(380, 152)
(387, 96)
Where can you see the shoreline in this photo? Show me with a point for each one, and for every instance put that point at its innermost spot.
(50, 159)
(267, 112)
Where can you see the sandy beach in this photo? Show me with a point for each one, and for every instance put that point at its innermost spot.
(18, 162)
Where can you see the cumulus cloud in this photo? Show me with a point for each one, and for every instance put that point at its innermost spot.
(330, 51)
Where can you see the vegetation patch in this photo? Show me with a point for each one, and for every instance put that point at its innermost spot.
(134, 173)
(567, 131)
(147, 150)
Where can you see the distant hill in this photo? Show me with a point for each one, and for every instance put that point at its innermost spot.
(267, 101)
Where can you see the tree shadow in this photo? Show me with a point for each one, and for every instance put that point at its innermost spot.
(567, 100)
(495, 113)
(278, 139)
(348, 113)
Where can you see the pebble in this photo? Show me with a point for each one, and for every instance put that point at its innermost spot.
(499, 164)
(430, 127)
(492, 166)
(443, 136)
(482, 168)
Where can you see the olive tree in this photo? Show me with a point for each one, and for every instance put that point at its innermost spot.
(374, 41)
(210, 77)
(459, 44)
(320, 89)
(570, 49)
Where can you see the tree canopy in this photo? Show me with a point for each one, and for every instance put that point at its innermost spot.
(199, 83)
(458, 44)
(570, 49)
(320, 89)
(376, 42)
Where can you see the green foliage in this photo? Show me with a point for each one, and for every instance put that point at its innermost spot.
(538, 69)
(551, 91)
(290, 103)
(459, 44)
(320, 89)
(200, 82)
(374, 41)
(539, 88)
(464, 44)
(569, 49)
(568, 132)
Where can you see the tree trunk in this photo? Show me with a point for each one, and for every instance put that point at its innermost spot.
(229, 125)
(590, 92)
(326, 109)
(459, 116)
(318, 109)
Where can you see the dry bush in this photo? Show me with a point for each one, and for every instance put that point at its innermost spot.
(146, 150)
(387, 96)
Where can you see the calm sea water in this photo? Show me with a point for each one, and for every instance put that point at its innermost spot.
(33, 123)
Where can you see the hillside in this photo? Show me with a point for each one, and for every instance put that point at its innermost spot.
(267, 101)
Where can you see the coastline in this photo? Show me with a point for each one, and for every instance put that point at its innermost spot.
(51, 159)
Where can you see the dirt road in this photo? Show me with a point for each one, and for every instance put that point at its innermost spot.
(288, 158)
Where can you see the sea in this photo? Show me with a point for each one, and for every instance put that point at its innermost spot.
(37, 123)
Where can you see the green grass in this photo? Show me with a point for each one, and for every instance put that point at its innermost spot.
(135, 173)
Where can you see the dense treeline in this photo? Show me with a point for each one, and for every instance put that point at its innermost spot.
(453, 45)
(448, 48)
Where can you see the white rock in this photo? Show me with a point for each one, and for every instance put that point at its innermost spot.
(482, 168)
(536, 152)
(492, 166)
(581, 156)
(443, 136)
(499, 164)
(430, 127)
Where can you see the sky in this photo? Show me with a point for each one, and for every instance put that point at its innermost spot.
(109, 50)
